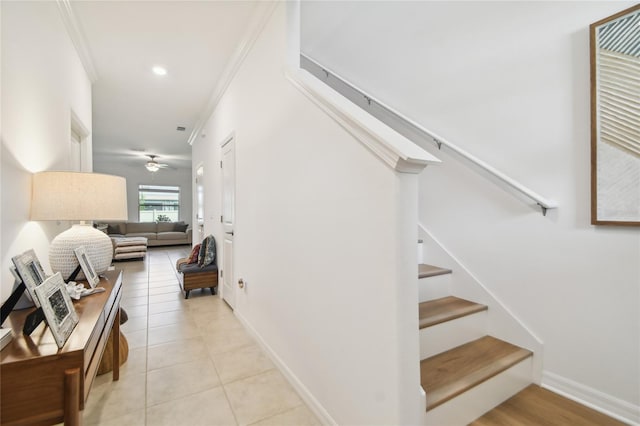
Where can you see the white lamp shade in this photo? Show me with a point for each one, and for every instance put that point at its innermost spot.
(79, 196)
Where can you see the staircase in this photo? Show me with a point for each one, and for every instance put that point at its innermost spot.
(464, 372)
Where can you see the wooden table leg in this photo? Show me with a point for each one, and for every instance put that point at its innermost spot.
(115, 335)
(72, 397)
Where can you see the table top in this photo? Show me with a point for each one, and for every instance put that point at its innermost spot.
(41, 342)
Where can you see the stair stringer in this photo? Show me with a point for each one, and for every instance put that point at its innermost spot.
(501, 322)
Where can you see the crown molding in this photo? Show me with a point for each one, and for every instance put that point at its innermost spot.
(261, 15)
(77, 38)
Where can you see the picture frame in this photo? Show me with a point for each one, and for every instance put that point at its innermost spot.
(87, 268)
(57, 307)
(30, 272)
(615, 131)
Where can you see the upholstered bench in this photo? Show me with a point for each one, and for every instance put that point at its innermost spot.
(199, 270)
(194, 276)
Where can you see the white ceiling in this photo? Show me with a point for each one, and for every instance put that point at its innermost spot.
(134, 109)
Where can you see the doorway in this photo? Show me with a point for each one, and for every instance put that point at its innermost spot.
(200, 202)
(228, 164)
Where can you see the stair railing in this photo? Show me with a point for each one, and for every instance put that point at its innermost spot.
(404, 125)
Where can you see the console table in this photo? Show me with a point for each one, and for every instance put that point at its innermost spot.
(41, 384)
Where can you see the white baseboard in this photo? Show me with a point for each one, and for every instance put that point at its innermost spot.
(592, 398)
(302, 390)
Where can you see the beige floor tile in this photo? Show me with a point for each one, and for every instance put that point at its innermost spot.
(171, 317)
(176, 381)
(156, 308)
(136, 418)
(134, 278)
(141, 286)
(136, 311)
(209, 309)
(134, 301)
(299, 416)
(135, 292)
(166, 297)
(171, 333)
(209, 407)
(159, 276)
(109, 399)
(137, 339)
(136, 362)
(134, 324)
(213, 322)
(162, 280)
(175, 353)
(262, 396)
(205, 301)
(241, 363)
(164, 289)
(225, 340)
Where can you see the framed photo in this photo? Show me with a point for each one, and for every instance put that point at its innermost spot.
(87, 267)
(58, 309)
(31, 272)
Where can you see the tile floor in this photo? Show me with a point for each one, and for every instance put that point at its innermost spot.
(190, 361)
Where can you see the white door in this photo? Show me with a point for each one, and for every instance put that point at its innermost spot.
(228, 214)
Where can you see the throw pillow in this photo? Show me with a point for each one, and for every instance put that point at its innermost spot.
(180, 227)
(203, 250)
(193, 257)
(207, 251)
(115, 228)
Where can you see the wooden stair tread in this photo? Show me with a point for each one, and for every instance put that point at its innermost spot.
(536, 406)
(446, 375)
(425, 271)
(445, 309)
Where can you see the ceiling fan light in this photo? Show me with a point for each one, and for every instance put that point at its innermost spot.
(152, 166)
(158, 70)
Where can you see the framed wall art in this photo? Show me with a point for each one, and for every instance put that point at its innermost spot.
(57, 307)
(615, 119)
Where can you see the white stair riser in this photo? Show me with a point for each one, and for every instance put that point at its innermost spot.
(434, 287)
(473, 403)
(448, 335)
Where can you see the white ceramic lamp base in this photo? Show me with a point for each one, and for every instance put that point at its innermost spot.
(62, 257)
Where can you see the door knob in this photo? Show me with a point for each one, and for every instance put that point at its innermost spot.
(241, 283)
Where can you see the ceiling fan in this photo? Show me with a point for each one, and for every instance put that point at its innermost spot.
(153, 166)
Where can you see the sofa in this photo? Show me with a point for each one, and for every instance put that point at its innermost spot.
(156, 233)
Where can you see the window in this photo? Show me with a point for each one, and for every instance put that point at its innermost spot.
(158, 203)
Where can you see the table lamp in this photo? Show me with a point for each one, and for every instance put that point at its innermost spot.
(79, 196)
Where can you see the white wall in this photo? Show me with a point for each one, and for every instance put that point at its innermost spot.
(138, 175)
(315, 241)
(509, 82)
(42, 81)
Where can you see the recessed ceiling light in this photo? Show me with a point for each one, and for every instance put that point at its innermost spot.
(158, 70)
